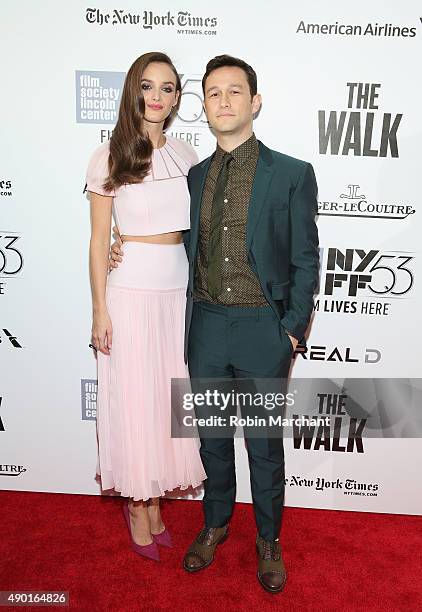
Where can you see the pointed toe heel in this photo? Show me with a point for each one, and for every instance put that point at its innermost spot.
(163, 538)
(150, 551)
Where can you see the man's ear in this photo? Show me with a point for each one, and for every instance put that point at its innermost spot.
(256, 103)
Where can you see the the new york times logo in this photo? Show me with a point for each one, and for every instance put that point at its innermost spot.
(329, 437)
(367, 275)
(5, 188)
(366, 134)
(350, 486)
(149, 20)
(353, 203)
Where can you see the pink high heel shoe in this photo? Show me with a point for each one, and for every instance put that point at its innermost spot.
(147, 550)
(163, 538)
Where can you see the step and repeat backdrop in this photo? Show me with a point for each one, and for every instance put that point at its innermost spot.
(340, 89)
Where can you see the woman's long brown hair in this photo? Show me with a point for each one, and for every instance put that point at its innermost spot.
(130, 147)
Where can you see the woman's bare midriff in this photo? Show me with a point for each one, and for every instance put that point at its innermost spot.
(169, 238)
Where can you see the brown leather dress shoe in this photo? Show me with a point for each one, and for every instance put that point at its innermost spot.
(271, 571)
(201, 552)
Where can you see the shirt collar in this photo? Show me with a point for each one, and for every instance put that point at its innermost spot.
(240, 154)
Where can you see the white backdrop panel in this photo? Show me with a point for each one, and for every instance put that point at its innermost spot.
(45, 444)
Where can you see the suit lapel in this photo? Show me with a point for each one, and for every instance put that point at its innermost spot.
(196, 200)
(263, 174)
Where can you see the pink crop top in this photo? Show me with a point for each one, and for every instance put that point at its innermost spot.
(159, 204)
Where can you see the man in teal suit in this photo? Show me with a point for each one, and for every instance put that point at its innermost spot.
(254, 261)
(253, 268)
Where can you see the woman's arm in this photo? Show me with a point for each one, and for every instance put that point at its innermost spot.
(98, 267)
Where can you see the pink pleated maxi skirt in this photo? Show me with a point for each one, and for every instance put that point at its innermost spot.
(146, 298)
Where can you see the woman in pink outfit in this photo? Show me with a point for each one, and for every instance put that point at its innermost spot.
(139, 178)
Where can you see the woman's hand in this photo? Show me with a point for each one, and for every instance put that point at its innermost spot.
(116, 252)
(102, 332)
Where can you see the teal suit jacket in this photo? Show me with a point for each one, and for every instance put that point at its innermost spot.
(281, 236)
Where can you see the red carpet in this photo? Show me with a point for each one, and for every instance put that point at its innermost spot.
(335, 560)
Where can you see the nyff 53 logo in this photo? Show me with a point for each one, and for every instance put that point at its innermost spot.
(358, 281)
(11, 258)
(191, 123)
(370, 272)
(191, 109)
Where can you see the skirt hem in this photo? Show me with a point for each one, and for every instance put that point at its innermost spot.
(182, 487)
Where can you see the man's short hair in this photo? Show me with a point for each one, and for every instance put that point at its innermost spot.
(228, 60)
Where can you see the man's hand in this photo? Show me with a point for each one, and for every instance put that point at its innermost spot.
(293, 341)
(116, 253)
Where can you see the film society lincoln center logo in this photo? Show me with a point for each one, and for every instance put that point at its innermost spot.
(89, 399)
(98, 96)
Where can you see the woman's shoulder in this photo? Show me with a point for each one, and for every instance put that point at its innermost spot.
(184, 149)
(98, 169)
(98, 162)
(99, 155)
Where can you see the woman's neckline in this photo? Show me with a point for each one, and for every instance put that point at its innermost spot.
(162, 147)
